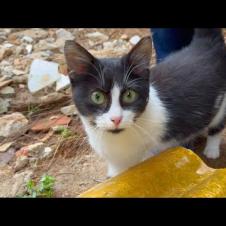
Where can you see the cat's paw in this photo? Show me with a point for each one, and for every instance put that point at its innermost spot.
(212, 153)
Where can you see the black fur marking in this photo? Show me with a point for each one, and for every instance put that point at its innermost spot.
(189, 82)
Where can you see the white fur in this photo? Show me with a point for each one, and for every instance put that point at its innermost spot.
(220, 114)
(137, 142)
(212, 149)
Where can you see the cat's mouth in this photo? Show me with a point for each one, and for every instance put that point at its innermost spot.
(115, 131)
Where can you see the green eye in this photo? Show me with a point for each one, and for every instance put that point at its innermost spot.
(98, 97)
(129, 96)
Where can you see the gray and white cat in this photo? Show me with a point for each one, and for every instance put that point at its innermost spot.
(130, 111)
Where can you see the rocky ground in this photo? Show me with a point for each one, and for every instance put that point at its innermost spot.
(40, 132)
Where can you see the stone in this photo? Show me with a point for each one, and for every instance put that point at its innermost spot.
(7, 71)
(35, 33)
(5, 52)
(62, 83)
(4, 105)
(42, 74)
(27, 39)
(64, 34)
(7, 91)
(108, 45)
(5, 147)
(44, 45)
(5, 83)
(124, 37)
(46, 124)
(97, 36)
(19, 181)
(135, 39)
(12, 123)
(20, 79)
(21, 162)
(6, 157)
(18, 72)
(47, 153)
(69, 110)
(22, 152)
(32, 150)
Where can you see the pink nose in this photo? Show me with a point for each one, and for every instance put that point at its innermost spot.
(116, 120)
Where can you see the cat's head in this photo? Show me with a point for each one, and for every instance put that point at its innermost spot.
(110, 93)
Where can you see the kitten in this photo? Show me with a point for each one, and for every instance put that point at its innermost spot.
(131, 112)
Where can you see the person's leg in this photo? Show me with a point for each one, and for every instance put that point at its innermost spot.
(168, 40)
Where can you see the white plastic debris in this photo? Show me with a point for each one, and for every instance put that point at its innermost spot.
(42, 74)
(63, 82)
(135, 39)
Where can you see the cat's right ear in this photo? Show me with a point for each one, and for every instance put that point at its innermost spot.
(78, 59)
(140, 55)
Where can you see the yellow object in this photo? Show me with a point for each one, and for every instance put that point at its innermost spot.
(177, 172)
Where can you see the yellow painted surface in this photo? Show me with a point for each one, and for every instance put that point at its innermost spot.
(177, 172)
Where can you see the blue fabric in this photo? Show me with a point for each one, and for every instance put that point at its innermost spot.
(168, 40)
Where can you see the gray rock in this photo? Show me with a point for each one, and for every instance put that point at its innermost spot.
(5, 147)
(64, 34)
(6, 157)
(19, 182)
(97, 36)
(4, 105)
(20, 78)
(21, 162)
(35, 33)
(35, 150)
(69, 110)
(7, 91)
(12, 123)
(47, 153)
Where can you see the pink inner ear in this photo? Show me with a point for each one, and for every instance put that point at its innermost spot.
(81, 68)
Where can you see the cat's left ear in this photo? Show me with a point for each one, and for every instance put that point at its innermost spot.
(78, 59)
(140, 55)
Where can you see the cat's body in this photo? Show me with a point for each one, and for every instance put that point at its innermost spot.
(176, 100)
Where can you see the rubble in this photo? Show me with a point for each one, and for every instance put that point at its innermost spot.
(4, 105)
(69, 110)
(7, 91)
(12, 123)
(5, 147)
(64, 34)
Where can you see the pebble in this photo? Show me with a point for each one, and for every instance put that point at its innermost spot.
(69, 110)
(21, 162)
(4, 105)
(5, 147)
(7, 91)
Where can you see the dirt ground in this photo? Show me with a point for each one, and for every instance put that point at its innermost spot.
(75, 167)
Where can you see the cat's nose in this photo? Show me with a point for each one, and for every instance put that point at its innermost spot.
(116, 120)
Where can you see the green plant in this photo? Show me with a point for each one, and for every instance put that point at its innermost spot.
(64, 132)
(32, 109)
(44, 189)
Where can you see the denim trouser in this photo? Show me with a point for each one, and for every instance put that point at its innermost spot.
(168, 40)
